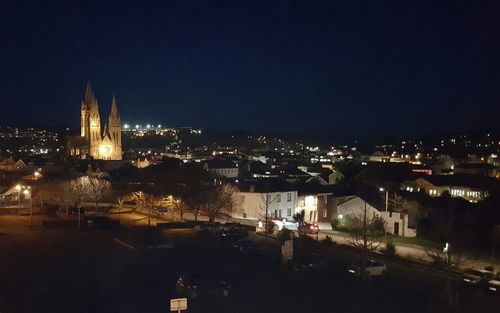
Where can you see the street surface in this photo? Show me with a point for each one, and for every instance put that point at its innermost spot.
(86, 270)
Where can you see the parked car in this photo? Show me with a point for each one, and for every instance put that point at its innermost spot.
(235, 233)
(308, 228)
(372, 268)
(478, 278)
(312, 263)
(493, 285)
(103, 222)
(197, 285)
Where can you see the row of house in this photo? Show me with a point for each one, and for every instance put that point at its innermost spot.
(256, 169)
(279, 200)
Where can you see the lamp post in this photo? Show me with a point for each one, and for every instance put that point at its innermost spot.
(386, 208)
(18, 188)
(27, 192)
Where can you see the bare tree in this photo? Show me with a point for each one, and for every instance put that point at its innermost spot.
(120, 200)
(364, 232)
(447, 259)
(91, 188)
(405, 208)
(71, 193)
(143, 200)
(264, 213)
(218, 199)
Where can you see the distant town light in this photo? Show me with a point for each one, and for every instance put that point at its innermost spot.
(126, 126)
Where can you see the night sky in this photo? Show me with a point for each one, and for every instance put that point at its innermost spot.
(348, 67)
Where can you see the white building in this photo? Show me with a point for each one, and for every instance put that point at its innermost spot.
(395, 224)
(254, 203)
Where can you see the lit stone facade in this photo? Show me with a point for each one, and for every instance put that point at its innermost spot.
(101, 144)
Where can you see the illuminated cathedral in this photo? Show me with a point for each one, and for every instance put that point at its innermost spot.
(94, 142)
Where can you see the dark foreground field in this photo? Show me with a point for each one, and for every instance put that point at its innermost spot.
(87, 271)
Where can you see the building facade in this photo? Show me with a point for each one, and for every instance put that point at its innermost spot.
(95, 142)
(255, 205)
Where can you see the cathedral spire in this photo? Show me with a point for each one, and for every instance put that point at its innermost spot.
(89, 94)
(114, 110)
(114, 118)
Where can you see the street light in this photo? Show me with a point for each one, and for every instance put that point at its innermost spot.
(18, 188)
(386, 208)
(27, 192)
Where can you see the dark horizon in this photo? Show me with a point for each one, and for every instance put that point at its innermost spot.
(338, 68)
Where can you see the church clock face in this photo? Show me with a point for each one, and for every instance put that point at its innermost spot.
(105, 150)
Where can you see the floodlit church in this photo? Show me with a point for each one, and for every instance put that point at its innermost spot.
(94, 142)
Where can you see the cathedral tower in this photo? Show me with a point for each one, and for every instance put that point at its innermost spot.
(115, 130)
(95, 129)
(85, 112)
(100, 145)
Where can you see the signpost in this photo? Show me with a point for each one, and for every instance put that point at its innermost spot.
(178, 304)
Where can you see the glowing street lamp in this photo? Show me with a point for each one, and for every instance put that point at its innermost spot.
(381, 189)
(27, 193)
(18, 188)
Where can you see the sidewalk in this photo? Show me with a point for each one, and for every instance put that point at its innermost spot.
(416, 253)
(405, 251)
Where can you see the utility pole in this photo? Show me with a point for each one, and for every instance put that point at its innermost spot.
(18, 188)
(386, 208)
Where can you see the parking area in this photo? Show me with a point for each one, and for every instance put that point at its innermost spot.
(71, 270)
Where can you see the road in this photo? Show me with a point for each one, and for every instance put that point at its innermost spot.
(70, 270)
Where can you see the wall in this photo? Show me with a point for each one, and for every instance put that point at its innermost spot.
(355, 206)
(253, 205)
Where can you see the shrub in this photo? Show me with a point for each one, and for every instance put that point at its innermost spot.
(270, 227)
(390, 249)
(327, 241)
(335, 224)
